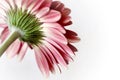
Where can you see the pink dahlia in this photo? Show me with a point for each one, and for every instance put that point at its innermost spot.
(40, 26)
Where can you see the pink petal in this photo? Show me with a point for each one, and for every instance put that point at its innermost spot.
(66, 11)
(13, 49)
(8, 2)
(55, 4)
(49, 54)
(64, 47)
(73, 39)
(57, 55)
(55, 35)
(69, 32)
(37, 5)
(67, 20)
(4, 34)
(48, 58)
(28, 3)
(55, 26)
(22, 51)
(42, 12)
(52, 16)
(46, 3)
(72, 48)
(67, 49)
(3, 25)
(59, 48)
(72, 36)
(41, 61)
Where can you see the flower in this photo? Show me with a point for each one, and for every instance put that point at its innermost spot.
(40, 26)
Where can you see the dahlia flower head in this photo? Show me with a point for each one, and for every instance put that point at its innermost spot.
(39, 25)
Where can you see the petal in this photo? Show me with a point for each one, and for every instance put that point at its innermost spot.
(37, 5)
(56, 54)
(55, 35)
(41, 61)
(72, 36)
(42, 12)
(4, 34)
(66, 20)
(13, 49)
(53, 60)
(28, 3)
(60, 49)
(46, 3)
(64, 47)
(3, 25)
(73, 39)
(48, 58)
(52, 16)
(69, 32)
(57, 5)
(55, 26)
(66, 11)
(8, 2)
(22, 51)
(72, 48)
(67, 49)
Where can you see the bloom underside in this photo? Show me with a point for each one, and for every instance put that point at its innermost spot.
(40, 26)
(28, 25)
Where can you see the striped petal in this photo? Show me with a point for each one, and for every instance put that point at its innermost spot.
(55, 35)
(41, 61)
(42, 12)
(54, 26)
(57, 5)
(72, 48)
(37, 5)
(22, 51)
(52, 16)
(48, 58)
(56, 54)
(4, 34)
(46, 3)
(13, 49)
(59, 48)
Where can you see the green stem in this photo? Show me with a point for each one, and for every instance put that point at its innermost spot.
(10, 39)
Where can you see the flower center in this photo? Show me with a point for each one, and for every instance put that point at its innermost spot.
(27, 24)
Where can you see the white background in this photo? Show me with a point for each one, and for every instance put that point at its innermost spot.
(97, 22)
